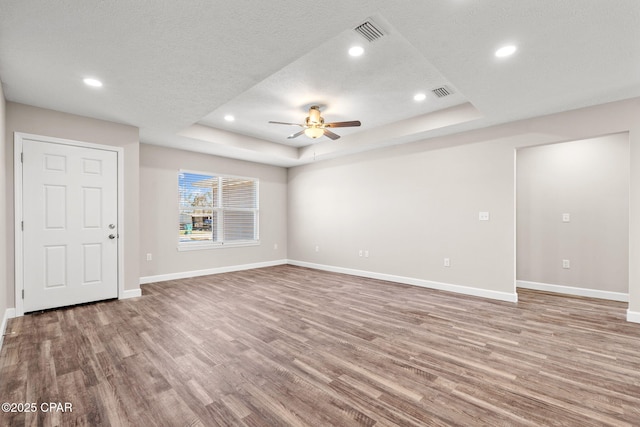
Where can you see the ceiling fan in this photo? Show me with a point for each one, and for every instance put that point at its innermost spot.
(314, 125)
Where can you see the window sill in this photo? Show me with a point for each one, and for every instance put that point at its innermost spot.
(197, 246)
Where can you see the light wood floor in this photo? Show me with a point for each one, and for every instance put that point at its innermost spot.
(292, 346)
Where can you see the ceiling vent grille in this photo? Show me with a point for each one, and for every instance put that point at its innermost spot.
(441, 92)
(369, 31)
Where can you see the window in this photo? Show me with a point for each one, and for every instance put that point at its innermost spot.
(216, 210)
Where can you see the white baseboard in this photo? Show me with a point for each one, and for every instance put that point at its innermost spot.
(478, 292)
(131, 293)
(570, 290)
(217, 270)
(9, 313)
(633, 316)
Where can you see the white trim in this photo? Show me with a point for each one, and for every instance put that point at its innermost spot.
(17, 223)
(515, 220)
(217, 270)
(9, 313)
(131, 293)
(570, 290)
(122, 230)
(18, 138)
(198, 246)
(633, 316)
(467, 290)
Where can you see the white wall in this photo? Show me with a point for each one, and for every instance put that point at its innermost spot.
(589, 179)
(40, 121)
(159, 168)
(413, 205)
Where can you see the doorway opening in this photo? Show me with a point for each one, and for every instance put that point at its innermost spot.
(572, 217)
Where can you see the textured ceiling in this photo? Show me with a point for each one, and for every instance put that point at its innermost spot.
(174, 69)
(376, 88)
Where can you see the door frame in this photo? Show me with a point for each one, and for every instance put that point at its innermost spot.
(18, 139)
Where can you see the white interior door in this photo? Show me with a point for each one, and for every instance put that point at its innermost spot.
(70, 229)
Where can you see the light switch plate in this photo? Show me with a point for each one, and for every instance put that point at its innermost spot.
(483, 216)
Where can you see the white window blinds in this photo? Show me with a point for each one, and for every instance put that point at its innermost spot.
(217, 209)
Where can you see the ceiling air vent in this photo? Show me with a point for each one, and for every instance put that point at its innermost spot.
(369, 31)
(441, 92)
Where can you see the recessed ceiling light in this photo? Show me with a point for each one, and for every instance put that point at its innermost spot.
(505, 51)
(92, 82)
(229, 118)
(419, 97)
(356, 51)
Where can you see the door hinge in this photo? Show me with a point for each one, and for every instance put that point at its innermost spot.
(23, 294)
(21, 157)
(22, 225)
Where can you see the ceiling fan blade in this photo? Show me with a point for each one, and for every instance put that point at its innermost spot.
(330, 134)
(343, 124)
(285, 123)
(295, 135)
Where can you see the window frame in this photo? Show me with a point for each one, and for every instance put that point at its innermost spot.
(210, 244)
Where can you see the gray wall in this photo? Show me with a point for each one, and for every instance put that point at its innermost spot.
(409, 206)
(413, 205)
(6, 282)
(159, 168)
(40, 121)
(410, 209)
(588, 179)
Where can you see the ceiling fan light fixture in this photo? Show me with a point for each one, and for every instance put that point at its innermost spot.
(314, 132)
(314, 126)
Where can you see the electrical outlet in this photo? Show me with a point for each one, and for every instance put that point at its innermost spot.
(447, 262)
(483, 216)
(566, 263)
(360, 252)
(149, 257)
(275, 246)
(317, 248)
(366, 254)
(566, 217)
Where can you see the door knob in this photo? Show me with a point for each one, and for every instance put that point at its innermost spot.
(112, 236)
